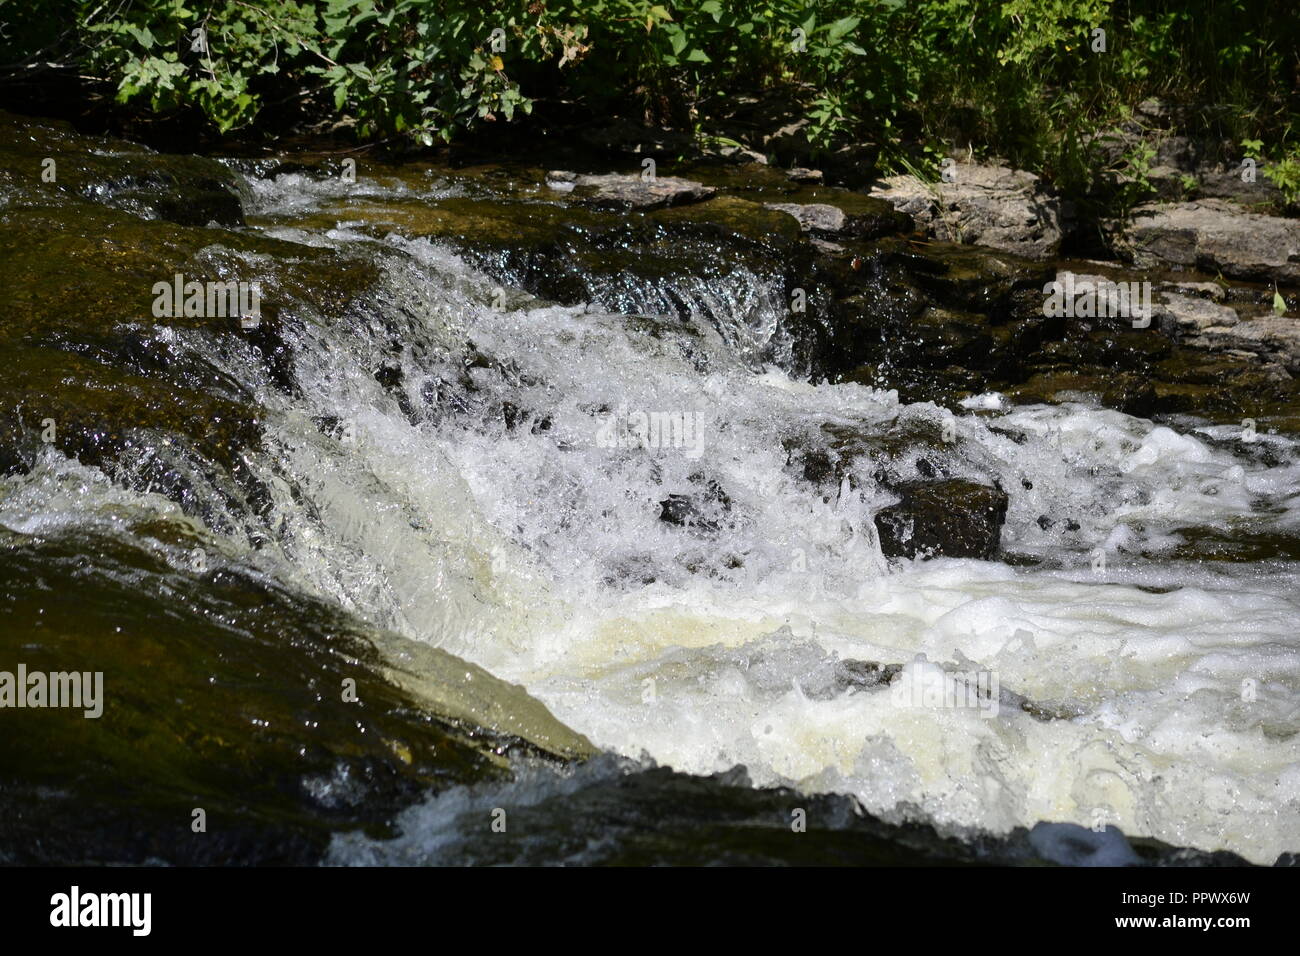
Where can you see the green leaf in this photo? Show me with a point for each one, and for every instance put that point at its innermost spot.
(142, 37)
(1279, 303)
(842, 27)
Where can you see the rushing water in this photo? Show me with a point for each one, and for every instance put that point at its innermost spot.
(470, 498)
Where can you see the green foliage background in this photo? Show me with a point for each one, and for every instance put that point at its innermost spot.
(1014, 77)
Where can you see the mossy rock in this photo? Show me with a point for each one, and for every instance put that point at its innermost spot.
(224, 692)
(189, 190)
(83, 348)
(101, 415)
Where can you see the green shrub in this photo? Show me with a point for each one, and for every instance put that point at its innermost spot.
(1016, 78)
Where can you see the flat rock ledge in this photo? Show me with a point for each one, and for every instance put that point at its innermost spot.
(993, 206)
(1213, 235)
(629, 191)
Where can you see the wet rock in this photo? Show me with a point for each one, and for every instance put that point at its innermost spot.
(991, 206)
(108, 417)
(1132, 395)
(974, 279)
(94, 373)
(862, 675)
(967, 311)
(630, 191)
(704, 511)
(1225, 387)
(188, 190)
(815, 217)
(707, 260)
(657, 816)
(834, 452)
(1215, 236)
(859, 217)
(222, 691)
(800, 174)
(1072, 845)
(939, 338)
(952, 518)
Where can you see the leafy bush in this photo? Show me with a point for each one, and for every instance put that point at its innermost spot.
(1019, 78)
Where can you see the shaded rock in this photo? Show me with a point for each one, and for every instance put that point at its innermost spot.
(991, 206)
(789, 141)
(1225, 182)
(623, 137)
(870, 218)
(952, 518)
(800, 174)
(1204, 290)
(738, 154)
(1213, 235)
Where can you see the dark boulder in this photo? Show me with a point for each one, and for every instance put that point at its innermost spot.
(950, 518)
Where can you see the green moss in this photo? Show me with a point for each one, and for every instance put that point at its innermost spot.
(224, 692)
